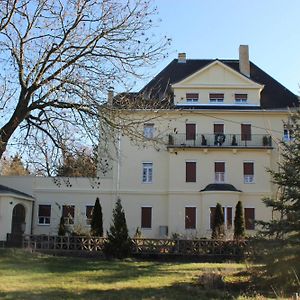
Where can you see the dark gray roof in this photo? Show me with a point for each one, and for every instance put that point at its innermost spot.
(220, 187)
(274, 95)
(7, 190)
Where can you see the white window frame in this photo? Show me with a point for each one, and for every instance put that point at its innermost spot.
(147, 228)
(287, 135)
(149, 130)
(220, 174)
(216, 100)
(249, 179)
(196, 219)
(192, 100)
(147, 172)
(44, 217)
(241, 100)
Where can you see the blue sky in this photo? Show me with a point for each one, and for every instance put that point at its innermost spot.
(216, 28)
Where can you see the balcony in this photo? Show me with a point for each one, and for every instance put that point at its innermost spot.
(221, 140)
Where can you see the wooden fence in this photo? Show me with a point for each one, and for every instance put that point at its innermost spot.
(141, 246)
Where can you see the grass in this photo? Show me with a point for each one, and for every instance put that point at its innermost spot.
(25, 275)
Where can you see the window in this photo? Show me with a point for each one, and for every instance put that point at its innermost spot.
(190, 131)
(287, 135)
(219, 172)
(68, 214)
(147, 172)
(190, 218)
(219, 134)
(146, 218)
(44, 214)
(249, 214)
(218, 128)
(246, 132)
(227, 211)
(192, 97)
(190, 171)
(248, 172)
(89, 214)
(216, 98)
(149, 131)
(241, 98)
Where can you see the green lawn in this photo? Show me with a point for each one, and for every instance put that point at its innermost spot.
(25, 275)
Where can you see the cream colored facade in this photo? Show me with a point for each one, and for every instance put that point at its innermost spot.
(151, 177)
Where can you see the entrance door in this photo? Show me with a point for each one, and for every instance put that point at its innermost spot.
(17, 225)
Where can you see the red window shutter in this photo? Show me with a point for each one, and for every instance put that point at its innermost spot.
(220, 167)
(249, 218)
(45, 210)
(190, 172)
(212, 216)
(146, 221)
(218, 128)
(190, 130)
(246, 132)
(241, 96)
(229, 217)
(192, 96)
(190, 217)
(216, 96)
(248, 168)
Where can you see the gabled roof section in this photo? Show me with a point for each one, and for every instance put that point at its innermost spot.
(237, 76)
(273, 96)
(5, 190)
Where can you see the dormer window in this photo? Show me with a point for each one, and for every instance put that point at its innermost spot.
(216, 98)
(192, 97)
(241, 98)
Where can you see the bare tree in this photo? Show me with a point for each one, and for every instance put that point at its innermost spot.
(60, 56)
(7, 9)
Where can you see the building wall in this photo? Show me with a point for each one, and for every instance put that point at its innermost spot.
(7, 204)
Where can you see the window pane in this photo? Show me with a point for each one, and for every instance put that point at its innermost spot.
(218, 128)
(148, 130)
(246, 132)
(146, 217)
(68, 213)
(190, 172)
(190, 131)
(248, 168)
(229, 217)
(220, 167)
(212, 216)
(147, 172)
(45, 210)
(249, 218)
(190, 217)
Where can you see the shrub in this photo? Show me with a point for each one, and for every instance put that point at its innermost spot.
(97, 220)
(118, 242)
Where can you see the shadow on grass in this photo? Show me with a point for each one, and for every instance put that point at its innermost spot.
(182, 291)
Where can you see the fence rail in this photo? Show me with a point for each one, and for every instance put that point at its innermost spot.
(140, 246)
(220, 140)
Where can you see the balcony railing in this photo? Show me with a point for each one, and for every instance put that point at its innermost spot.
(220, 140)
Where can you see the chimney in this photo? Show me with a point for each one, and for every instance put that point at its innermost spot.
(182, 58)
(110, 95)
(244, 60)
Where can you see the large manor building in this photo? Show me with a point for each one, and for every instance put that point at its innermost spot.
(212, 140)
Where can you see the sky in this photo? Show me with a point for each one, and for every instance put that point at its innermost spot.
(216, 28)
